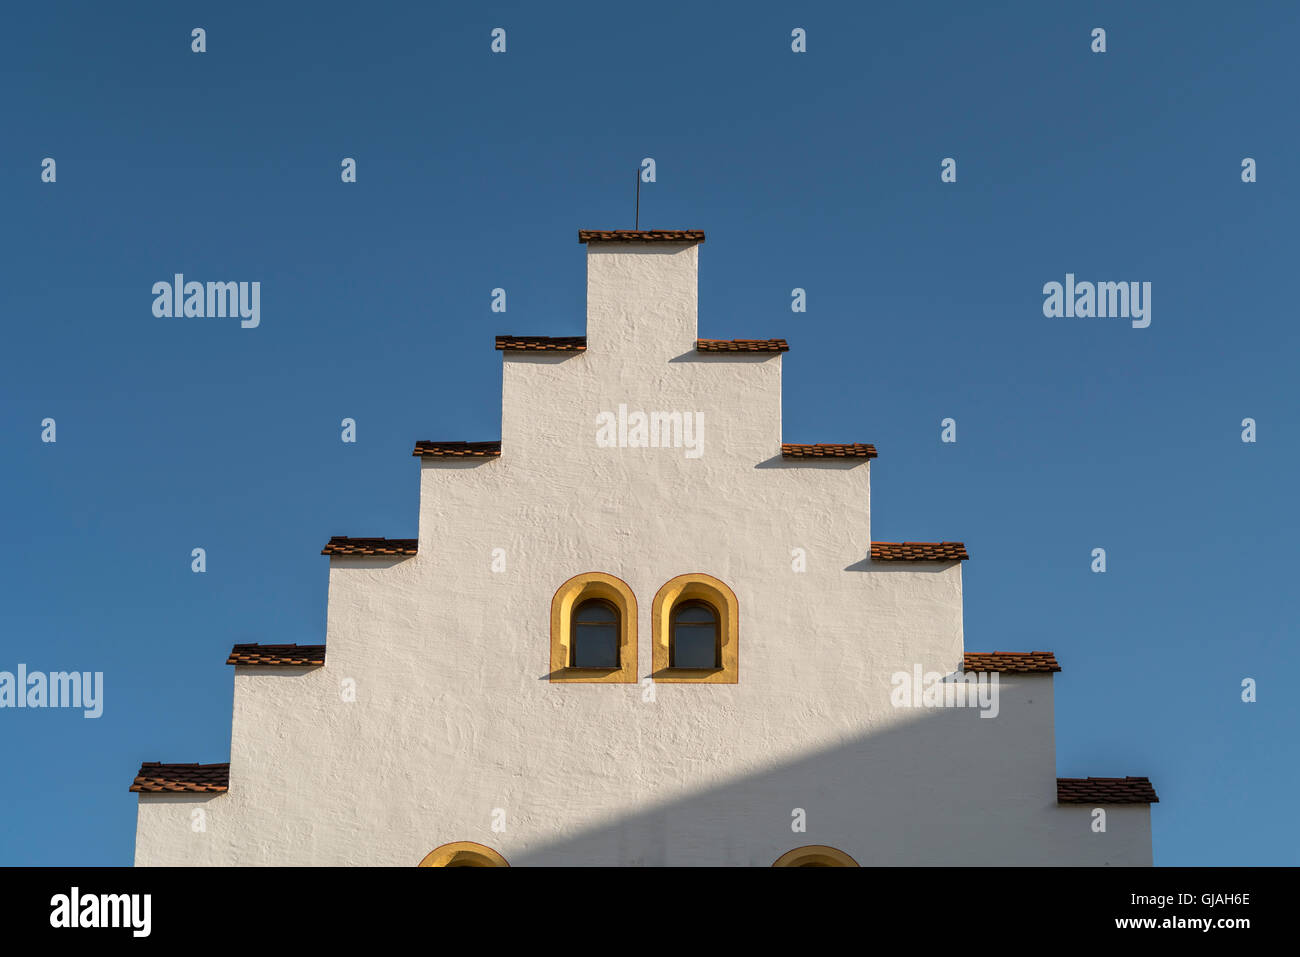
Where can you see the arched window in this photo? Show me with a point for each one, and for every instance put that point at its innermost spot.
(815, 855)
(463, 854)
(695, 640)
(695, 637)
(593, 630)
(595, 635)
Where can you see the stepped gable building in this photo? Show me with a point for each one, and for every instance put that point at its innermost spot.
(641, 628)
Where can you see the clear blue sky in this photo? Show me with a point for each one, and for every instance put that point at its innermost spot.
(818, 170)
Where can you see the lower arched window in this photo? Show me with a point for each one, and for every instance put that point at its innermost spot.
(815, 855)
(463, 854)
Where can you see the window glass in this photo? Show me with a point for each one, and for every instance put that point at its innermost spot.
(695, 636)
(595, 635)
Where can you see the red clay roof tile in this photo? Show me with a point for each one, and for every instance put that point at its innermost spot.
(918, 552)
(343, 545)
(640, 235)
(741, 345)
(824, 450)
(1105, 791)
(1011, 662)
(277, 655)
(428, 449)
(155, 777)
(542, 343)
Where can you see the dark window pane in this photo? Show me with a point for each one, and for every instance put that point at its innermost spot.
(595, 635)
(694, 647)
(696, 614)
(596, 646)
(695, 636)
(596, 611)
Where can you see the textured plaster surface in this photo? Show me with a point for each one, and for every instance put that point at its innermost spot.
(454, 717)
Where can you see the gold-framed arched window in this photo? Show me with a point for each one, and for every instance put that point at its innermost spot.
(463, 854)
(695, 622)
(593, 630)
(815, 855)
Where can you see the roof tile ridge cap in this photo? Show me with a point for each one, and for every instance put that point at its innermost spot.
(641, 235)
(765, 340)
(486, 448)
(406, 546)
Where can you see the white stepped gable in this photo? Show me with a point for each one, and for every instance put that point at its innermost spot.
(448, 722)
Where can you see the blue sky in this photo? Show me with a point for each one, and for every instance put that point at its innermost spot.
(817, 170)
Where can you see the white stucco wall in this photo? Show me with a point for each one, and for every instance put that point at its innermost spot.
(454, 716)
